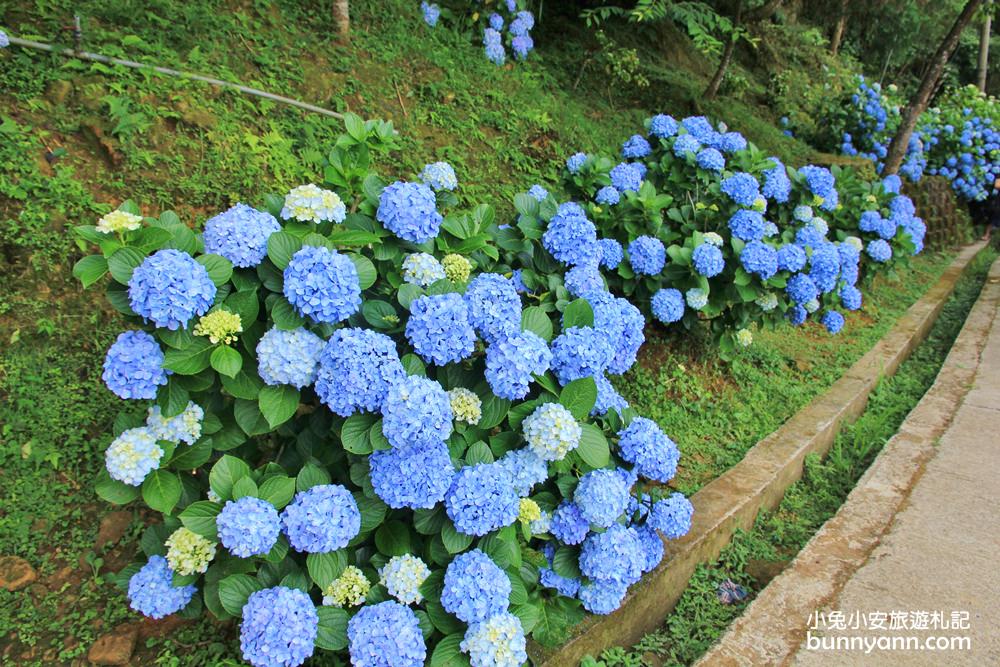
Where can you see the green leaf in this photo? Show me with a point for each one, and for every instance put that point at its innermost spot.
(220, 269)
(380, 314)
(565, 563)
(224, 475)
(325, 567)
(235, 590)
(280, 248)
(408, 293)
(193, 456)
(123, 262)
(250, 418)
(311, 475)
(226, 360)
(366, 270)
(393, 538)
(593, 448)
(90, 269)
(478, 452)
(244, 486)
(244, 385)
(372, 511)
(331, 634)
(278, 403)
(454, 541)
(448, 654)
(192, 359)
(537, 321)
(578, 313)
(199, 517)
(172, 398)
(355, 127)
(113, 491)
(528, 613)
(494, 409)
(579, 397)
(278, 490)
(354, 434)
(285, 316)
(161, 490)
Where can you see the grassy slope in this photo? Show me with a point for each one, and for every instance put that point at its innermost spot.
(182, 145)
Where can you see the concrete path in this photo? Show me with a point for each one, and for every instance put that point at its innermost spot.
(908, 571)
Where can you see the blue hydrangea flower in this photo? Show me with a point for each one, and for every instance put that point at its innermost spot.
(616, 554)
(602, 496)
(185, 427)
(626, 346)
(731, 142)
(356, 369)
(248, 526)
(569, 525)
(496, 21)
(801, 288)
(475, 588)
(422, 269)
(494, 50)
(700, 128)
(482, 498)
(711, 159)
(869, 221)
(742, 188)
(521, 24)
(133, 455)
(322, 284)
(821, 183)
(409, 210)
(777, 186)
(169, 288)
(696, 298)
(684, 144)
(850, 297)
(526, 17)
(289, 357)
(760, 259)
(671, 516)
(791, 258)
(652, 547)
(902, 206)
(802, 213)
(668, 305)
(512, 360)
(151, 591)
(571, 238)
(611, 253)
(4, 40)
(417, 477)
(636, 147)
(521, 45)
(386, 634)
(602, 596)
(747, 225)
(439, 329)
(580, 352)
(526, 469)
(892, 184)
(833, 321)
(824, 266)
(627, 176)
(416, 411)
(575, 162)
(538, 193)
(608, 196)
(608, 398)
(797, 315)
(494, 306)
(321, 519)
(662, 126)
(647, 255)
(279, 627)
(440, 176)
(551, 431)
(133, 367)
(496, 642)
(548, 578)
(240, 235)
(583, 280)
(647, 447)
(708, 260)
(809, 236)
(431, 13)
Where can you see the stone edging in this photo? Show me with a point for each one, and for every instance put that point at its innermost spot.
(772, 628)
(758, 482)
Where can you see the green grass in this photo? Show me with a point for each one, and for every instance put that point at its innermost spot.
(755, 556)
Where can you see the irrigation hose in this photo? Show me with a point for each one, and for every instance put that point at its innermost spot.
(97, 57)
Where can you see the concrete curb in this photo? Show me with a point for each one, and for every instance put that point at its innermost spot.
(772, 628)
(759, 481)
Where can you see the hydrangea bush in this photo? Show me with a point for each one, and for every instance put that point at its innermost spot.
(503, 27)
(354, 451)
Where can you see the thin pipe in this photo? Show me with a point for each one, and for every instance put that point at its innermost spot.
(97, 57)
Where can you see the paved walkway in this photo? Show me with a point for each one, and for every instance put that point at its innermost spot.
(914, 554)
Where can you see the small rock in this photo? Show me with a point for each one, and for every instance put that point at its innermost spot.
(199, 118)
(16, 573)
(114, 648)
(113, 527)
(58, 91)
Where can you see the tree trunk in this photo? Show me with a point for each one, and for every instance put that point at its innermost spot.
(342, 18)
(984, 51)
(918, 103)
(838, 28)
(727, 57)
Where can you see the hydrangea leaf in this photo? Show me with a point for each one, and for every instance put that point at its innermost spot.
(278, 490)
(245, 486)
(325, 567)
(579, 397)
(454, 541)
(331, 633)
(199, 517)
(578, 313)
(90, 269)
(220, 269)
(311, 475)
(161, 490)
(448, 654)
(354, 434)
(123, 262)
(536, 320)
(284, 316)
(366, 270)
(393, 538)
(235, 590)
(280, 248)
(172, 398)
(243, 385)
(593, 449)
(113, 491)
(250, 418)
(529, 615)
(226, 360)
(296, 579)
(224, 475)
(190, 360)
(278, 404)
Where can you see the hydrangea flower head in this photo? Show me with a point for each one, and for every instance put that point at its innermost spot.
(417, 478)
(747, 225)
(879, 250)
(133, 455)
(647, 255)
(708, 260)
(248, 526)
(240, 234)
(742, 188)
(584, 280)
(744, 338)
(801, 289)
(616, 554)
(169, 288)
(322, 284)
(496, 642)
(119, 221)
(402, 577)
(575, 162)
(512, 360)
(652, 547)
(151, 591)
(409, 210)
(431, 13)
(662, 126)
(528, 511)
(521, 45)
(289, 357)
(422, 269)
(440, 175)
(602, 596)
(608, 398)
(580, 352)
(671, 516)
(133, 367)
(494, 306)
(777, 186)
(636, 147)
(824, 266)
(696, 298)
(802, 213)
(700, 128)
(611, 253)
(571, 238)
(416, 411)
(279, 627)
(466, 406)
(321, 519)
(551, 431)
(538, 193)
(482, 498)
(569, 525)
(767, 301)
(711, 159)
(713, 239)
(348, 590)
(188, 552)
(356, 369)
(608, 196)
(439, 329)
(311, 203)
(185, 427)
(627, 176)
(791, 257)
(627, 346)
(833, 321)
(731, 142)
(456, 268)
(495, 52)
(386, 634)
(760, 259)
(684, 144)
(668, 305)
(475, 588)
(220, 326)
(602, 496)
(654, 455)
